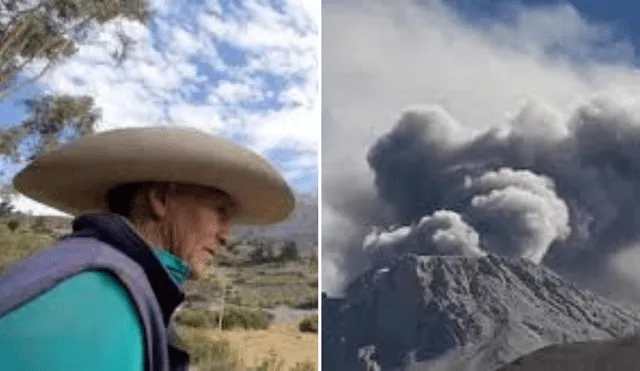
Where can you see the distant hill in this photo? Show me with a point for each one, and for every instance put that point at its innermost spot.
(301, 227)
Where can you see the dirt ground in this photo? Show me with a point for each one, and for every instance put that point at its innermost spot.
(286, 341)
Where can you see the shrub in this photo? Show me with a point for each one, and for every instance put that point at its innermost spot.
(289, 251)
(304, 366)
(196, 318)
(233, 318)
(309, 324)
(235, 300)
(313, 283)
(247, 319)
(13, 225)
(195, 296)
(309, 303)
(207, 354)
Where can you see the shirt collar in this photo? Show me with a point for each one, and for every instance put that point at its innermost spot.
(177, 268)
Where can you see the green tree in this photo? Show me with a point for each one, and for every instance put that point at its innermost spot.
(6, 208)
(51, 119)
(6, 201)
(48, 31)
(35, 35)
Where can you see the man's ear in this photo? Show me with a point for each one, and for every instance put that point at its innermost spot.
(158, 201)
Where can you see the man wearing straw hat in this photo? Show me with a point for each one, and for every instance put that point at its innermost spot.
(151, 206)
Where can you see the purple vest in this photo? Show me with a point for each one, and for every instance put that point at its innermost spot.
(74, 255)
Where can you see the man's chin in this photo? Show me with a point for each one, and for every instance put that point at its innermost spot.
(201, 270)
(197, 274)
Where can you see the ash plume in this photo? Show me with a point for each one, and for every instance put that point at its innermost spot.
(443, 233)
(426, 163)
(541, 189)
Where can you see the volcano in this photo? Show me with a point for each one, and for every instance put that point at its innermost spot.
(461, 313)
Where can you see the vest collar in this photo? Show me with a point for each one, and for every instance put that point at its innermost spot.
(177, 268)
(115, 231)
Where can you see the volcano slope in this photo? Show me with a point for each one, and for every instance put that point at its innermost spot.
(603, 355)
(460, 313)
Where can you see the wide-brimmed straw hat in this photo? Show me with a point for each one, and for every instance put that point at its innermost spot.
(77, 177)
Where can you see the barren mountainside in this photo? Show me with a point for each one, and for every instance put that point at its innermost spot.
(460, 313)
(301, 227)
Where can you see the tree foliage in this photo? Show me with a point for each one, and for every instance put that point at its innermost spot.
(50, 119)
(35, 35)
(6, 201)
(47, 31)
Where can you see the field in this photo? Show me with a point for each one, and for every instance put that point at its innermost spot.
(280, 348)
(284, 341)
(257, 310)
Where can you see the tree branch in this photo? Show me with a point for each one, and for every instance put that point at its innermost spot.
(12, 54)
(20, 14)
(12, 89)
(5, 44)
(8, 91)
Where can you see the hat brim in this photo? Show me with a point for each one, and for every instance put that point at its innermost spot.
(76, 178)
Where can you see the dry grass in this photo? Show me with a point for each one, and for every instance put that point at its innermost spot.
(271, 285)
(266, 286)
(20, 244)
(285, 342)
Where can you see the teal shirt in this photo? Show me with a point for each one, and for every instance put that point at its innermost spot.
(87, 322)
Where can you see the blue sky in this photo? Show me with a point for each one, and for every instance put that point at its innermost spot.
(622, 13)
(620, 18)
(245, 70)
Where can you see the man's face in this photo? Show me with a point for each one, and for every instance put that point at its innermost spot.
(198, 223)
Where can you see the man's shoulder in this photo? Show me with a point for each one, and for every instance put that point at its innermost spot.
(96, 289)
(89, 295)
(88, 309)
(74, 270)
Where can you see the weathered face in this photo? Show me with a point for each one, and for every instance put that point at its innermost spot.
(196, 223)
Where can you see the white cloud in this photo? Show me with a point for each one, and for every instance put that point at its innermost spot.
(235, 92)
(180, 74)
(197, 116)
(281, 126)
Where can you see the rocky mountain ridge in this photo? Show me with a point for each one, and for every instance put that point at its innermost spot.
(460, 313)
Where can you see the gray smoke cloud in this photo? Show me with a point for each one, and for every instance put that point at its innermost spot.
(424, 164)
(443, 233)
(554, 180)
(520, 191)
